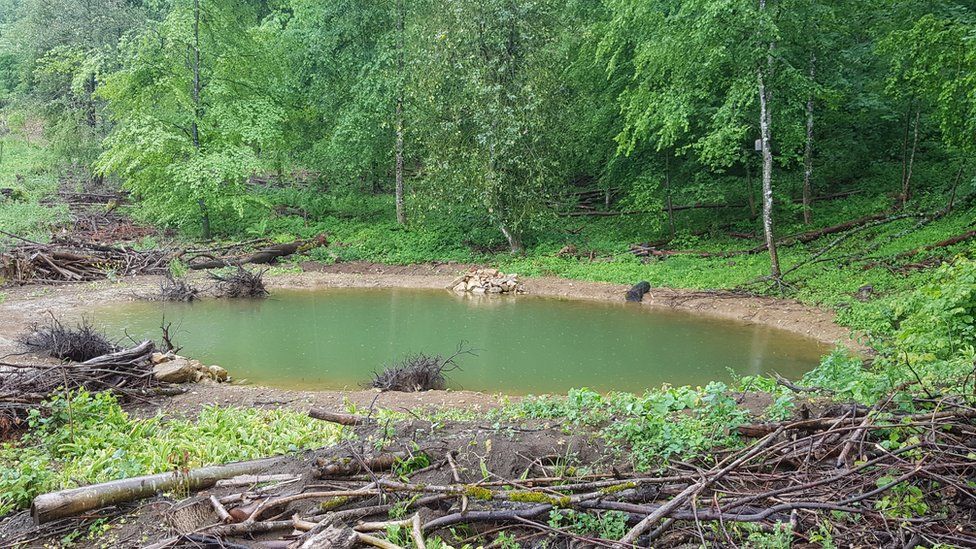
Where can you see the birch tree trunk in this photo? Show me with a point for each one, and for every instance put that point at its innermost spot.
(765, 127)
(514, 242)
(906, 186)
(401, 214)
(808, 150)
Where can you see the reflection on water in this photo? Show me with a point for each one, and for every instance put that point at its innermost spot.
(336, 338)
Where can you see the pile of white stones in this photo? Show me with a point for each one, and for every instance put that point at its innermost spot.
(487, 281)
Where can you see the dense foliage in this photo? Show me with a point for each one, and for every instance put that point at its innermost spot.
(230, 117)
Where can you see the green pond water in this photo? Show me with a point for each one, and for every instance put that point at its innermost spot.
(333, 339)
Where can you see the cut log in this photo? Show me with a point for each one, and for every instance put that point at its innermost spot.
(67, 503)
(341, 467)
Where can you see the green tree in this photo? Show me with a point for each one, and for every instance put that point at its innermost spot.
(492, 110)
(193, 117)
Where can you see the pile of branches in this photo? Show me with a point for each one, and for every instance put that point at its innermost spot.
(419, 372)
(68, 260)
(864, 477)
(176, 289)
(240, 283)
(24, 387)
(868, 478)
(76, 343)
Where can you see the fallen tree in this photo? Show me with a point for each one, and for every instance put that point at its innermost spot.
(71, 260)
(66, 503)
(268, 254)
(66, 260)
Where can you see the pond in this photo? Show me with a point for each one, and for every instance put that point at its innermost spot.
(336, 338)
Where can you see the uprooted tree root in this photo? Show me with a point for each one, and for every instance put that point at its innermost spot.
(78, 343)
(840, 476)
(240, 283)
(419, 372)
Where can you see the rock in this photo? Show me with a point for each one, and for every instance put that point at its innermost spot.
(218, 373)
(177, 370)
(159, 358)
(481, 281)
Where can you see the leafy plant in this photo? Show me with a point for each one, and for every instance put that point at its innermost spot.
(87, 438)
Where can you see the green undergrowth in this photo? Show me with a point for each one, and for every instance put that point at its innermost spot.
(87, 438)
(25, 170)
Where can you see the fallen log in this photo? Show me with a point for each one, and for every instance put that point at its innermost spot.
(339, 467)
(348, 420)
(67, 503)
(263, 256)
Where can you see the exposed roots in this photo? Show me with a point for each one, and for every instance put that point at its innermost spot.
(241, 283)
(79, 343)
(419, 372)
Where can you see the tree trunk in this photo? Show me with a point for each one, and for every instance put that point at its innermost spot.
(205, 231)
(749, 189)
(765, 127)
(904, 146)
(514, 242)
(400, 212)
(90, 116)
(667, 189)
(195, 126)
(808, 150)
(955, 185)
(906, 188)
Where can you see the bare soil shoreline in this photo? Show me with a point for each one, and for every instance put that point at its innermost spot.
(26, 305)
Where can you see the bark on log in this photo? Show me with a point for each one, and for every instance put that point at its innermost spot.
(333, 537)
(342, 419)
(66, 503)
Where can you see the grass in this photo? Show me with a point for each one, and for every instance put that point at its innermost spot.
(87, 438)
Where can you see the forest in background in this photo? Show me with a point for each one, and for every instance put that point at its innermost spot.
(498, 122)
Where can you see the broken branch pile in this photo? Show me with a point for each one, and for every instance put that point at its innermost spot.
(25, 387)
(72, 260)
(67, 260)
(876, 478)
